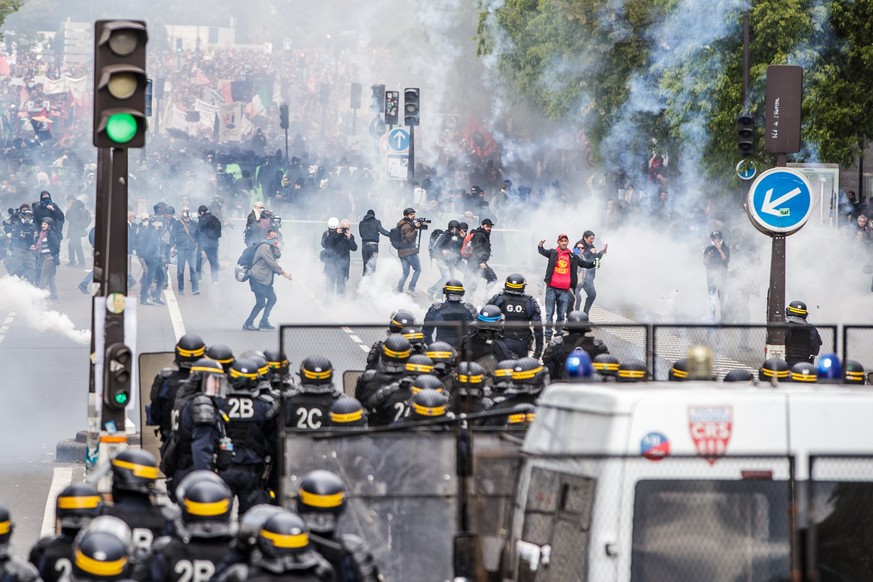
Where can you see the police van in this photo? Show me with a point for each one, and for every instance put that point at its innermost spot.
(695, 481)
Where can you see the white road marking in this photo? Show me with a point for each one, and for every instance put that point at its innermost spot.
(61, 478)
(175, 312)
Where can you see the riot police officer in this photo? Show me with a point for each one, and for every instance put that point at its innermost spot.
(453, 310)
(75, 507)
(470, 388)
(321, 502)
(222, 354)
(246, 539)
(134, 472)
(204, 536)
(399, 320)
(251, 419)
(416, 337)
(279, 375)
(282, 552)
(189, 349)
(21, 234)
(520, 308)
(577, 327)
(445, 359)
(428, 404)
(348, 412)
(485, 342)
(802, 340)
(391, 368)
(529, 378)
(501, 376)
(104, 551)
(12, 568)
(418, 364)
(307, 407)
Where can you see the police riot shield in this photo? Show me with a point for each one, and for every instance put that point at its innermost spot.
(150, 365)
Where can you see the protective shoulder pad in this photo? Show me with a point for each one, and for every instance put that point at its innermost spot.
(203, 409)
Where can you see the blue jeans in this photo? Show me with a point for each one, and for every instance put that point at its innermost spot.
(406, 263)
(556, 299)
(265, 298)
(189, 257)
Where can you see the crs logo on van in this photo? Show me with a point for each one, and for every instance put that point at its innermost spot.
(710, 428)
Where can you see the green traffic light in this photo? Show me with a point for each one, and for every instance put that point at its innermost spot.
(121, 127)
(121, 398)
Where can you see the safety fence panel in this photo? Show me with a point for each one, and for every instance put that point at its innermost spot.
(858, 345)
(405, 496)
(592, 518)
(733, 346)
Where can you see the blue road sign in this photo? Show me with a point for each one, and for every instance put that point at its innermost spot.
(746, 169)
(779, 201)
(398, 139)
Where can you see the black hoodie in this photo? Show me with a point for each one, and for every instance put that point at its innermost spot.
(370, 228)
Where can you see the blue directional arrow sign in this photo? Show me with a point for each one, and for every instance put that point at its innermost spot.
(779, 201)
(398, 139)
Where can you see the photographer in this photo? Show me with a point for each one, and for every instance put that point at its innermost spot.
(339, 242)
(409, 229)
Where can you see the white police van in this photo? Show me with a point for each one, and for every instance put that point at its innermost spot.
(695, 481)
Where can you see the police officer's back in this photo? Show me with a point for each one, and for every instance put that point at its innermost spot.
(485, 343)
(560, 347)
(391, 368)
(451, 310)
(471, 389)
(188, 350)
(519, 308)
(12, 568)
(321, 502)
(104, 552)
(802, 340)
(75, 507)
(400, 319)
(307, 407)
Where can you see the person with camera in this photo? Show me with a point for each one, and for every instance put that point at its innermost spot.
(257, 223)
(339, 242)
(409, 228)
(183, 237)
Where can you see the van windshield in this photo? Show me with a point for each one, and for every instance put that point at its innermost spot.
(711, 530)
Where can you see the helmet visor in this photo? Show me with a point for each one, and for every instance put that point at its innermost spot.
(214, 385)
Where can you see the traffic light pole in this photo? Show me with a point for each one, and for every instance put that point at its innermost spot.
(410, 162)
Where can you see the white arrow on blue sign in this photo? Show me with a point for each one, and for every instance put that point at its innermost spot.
(779, 202)
(398, 139)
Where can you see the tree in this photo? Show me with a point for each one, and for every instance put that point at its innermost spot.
(8, 7)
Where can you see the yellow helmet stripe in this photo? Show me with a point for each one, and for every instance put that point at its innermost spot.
(804, 377)
(415, 335)
(852, 375)
(439, 355)
(453, 288)
(427, 411)
(526, 374)
(300, 540)
(238, 374)
(223, 361)
(323, 501)
(779, 374)
(263, 370)
(419, 368)
(143, 471)
(281, 364)
(84, 502)
(415, 390)
(310, 375)
(347, 417)
(392, 354)
(606, 366)
(5, 526)
(208, 369)
(514, 285)
(207, 509)
(631, 373)
(797, 311)
(503, 372)
(191, 353)
(679, 373)
(98, 568)
(471, 379)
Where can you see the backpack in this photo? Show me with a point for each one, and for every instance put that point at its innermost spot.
(467, 246)
(394, 237)
(243, 269)
(431, 243)
(212, 228)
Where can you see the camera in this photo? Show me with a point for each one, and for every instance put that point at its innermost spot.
(422, 223)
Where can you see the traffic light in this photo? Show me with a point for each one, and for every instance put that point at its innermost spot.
(377, 100)
(411, 115)
(120, 83)
(746, 134)
(283, 116)
(117, 370)
(392, 106)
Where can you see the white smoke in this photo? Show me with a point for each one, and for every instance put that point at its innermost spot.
(30, 303)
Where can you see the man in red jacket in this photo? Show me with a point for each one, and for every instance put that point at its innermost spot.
(560, 279)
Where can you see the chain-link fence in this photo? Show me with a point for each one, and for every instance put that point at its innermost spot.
(858, 344)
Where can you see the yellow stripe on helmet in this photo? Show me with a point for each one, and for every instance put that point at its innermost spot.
(310, 375)
(609, 367)
(423, 368)
(526, 374)
(238, 374)
(392, 354)
(771, 373)
(679, 373)
(427, 411)
(300, 540)
(515, 285)
(5, 527)
(800, 377)
(503, 372)
(98, 568)
(439, 355)
(143, 471)
(322, 501)
(852, 375)
(191, 353)
(797, 311)
(454, 288)
(207, 509)
(414, 335)
(281, 364)
(631, 373)
(83, 502)
(208, 369)
(416, 389)
(340, 417)
(474, 379)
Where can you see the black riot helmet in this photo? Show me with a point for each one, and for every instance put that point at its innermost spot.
(400, 319)
(316, 370)
(396, 350)
(502, 374)
(522, 418)
(263, 366)
(490, 318)
(853, 372)
(444, 357)
(206, 506)
(529, 372)
(102, 551)
(347, 412)
(738, 375)
(6, 525)
(134, 470)
(283, 534)
(453, 224)
(415, 336)
(189, 349)
(222, 354)
(77, 505)
(797, 309)
(209, 377)
(577, 320)
(678, 371)
(606, 365)
(278, 362)
(250, 524)
(453, 290)
(774, 369)
(418, 364)
(515, 284)
(427, 382)
(321, 499)
(633, 371)
(243, 375)
(804, 372)
(470, 379)
(428, 404)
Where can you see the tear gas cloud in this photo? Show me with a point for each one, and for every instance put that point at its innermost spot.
(31, 305)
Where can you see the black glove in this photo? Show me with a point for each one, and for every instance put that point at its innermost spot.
(537, 354)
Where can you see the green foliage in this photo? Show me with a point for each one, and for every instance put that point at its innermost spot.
(8, 7)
